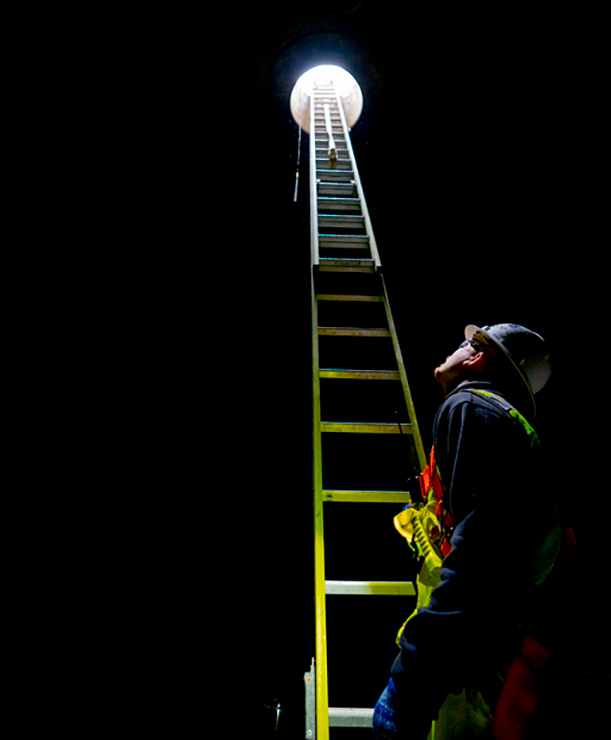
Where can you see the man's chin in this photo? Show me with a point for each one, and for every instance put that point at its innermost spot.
(447, 383)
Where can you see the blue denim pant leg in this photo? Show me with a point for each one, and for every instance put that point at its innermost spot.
(390, 722)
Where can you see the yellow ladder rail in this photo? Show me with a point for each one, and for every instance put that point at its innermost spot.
(344, 256)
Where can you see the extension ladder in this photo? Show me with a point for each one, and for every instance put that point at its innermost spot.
(352, 326)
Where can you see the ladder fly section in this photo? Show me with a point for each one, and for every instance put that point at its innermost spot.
(358, 372)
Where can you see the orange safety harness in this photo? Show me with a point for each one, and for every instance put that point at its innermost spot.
(431, 489)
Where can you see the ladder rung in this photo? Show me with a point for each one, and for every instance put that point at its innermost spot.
(346, 331)
(343, 240)
(322, 152)
(350, 717)
(367, 497)
(328, 221)
(370, 588)
(321, 267)
(339, 204)
(342, 297)
(340, 163)
(336, 188)
(364, 427)
(361, 374)
(344, 176)
(322, 140)
(345, 264)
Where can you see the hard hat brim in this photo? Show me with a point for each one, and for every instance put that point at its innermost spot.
(470, 332)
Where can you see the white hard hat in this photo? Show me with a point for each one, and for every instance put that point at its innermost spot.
(525, 350)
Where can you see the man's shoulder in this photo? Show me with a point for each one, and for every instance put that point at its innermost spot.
(476, 413)
(478, 396)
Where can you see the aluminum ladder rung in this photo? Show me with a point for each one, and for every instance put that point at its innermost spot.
(340, 151)
(345, 265)
(343, 241)
(336, 188)
(339, 204)
(322, 267)
(322, 153)
(322, 141)
(332, 154)
(367, 497)
(333, 221)
(349, 331)
(340, 164)
(350, 717)
(364, 427)
(346, 297)
(360, 374)
(370, 588)
(330, 243)
(334, 176)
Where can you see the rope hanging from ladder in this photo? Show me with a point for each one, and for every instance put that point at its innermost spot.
(297, 170)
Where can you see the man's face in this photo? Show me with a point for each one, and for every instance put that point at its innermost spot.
(452, 372)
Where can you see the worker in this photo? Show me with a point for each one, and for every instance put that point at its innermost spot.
(473, 655)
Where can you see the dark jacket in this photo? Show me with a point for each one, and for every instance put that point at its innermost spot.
(506, 535)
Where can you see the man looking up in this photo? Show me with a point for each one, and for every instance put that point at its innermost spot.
(496, 536)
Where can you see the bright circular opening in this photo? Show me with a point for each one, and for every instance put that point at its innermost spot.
(324, 75)
(345, 85)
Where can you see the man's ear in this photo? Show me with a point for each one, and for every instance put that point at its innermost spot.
(477, 363)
